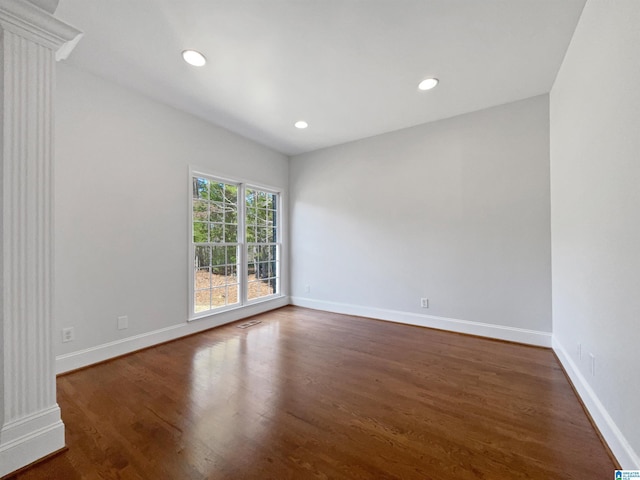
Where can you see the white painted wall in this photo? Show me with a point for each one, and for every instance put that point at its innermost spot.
(456, 211)
(122, 169)
(595, 192)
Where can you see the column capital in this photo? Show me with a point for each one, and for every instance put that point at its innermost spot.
(27, 20)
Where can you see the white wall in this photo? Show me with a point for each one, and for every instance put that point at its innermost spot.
(122, 208)
(595, 191)
(455, 210)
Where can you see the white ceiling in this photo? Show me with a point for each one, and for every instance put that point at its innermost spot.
(350, 68)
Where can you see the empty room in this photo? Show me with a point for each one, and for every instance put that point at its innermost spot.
(320, 239)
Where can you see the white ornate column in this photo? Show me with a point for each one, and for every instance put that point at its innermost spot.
(30, 423)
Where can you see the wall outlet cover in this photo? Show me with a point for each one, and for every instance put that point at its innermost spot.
(68, 334)
(123, 322)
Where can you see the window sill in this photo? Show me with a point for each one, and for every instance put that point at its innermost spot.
(243, 311)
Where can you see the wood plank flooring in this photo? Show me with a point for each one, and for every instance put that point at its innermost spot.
(314, 395)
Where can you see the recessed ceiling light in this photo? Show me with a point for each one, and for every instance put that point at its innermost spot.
(194, 58)
(301, 124)
(428, 83)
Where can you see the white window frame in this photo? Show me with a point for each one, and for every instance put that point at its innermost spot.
(243, 246)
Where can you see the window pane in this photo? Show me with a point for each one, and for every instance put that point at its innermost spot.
(200, 188)
(273, 252)
(251, 234)
(257, 235)
(254, 289)
(200, 211)
(232, 255)
(251, 253)
(203, 257)
(202, 300)
(216, 212)
(218, 271)
(251, 215)
(218, 256)
(259, 288)
(261, 217)
(232, 273)
(217, 192)
(262, 271)
(272, 269)
(231, 214)
(231, 194)
(202, 278)
(218, 297)
(230, 233)
(218, 279)
(200, 232)
(266, 235)
(232, 294)
(216, 232)
(251, 269)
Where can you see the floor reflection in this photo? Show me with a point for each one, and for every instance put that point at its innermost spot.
(235, 387)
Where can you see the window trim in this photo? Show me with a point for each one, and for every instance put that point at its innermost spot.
(243, 185)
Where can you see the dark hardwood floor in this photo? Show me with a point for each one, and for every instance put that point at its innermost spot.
(314, 395)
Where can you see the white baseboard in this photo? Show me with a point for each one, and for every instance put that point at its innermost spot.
(519, 335)
(100, 353)
(617, 442)
(29, 439)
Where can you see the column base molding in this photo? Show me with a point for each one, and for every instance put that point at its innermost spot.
(29, 439)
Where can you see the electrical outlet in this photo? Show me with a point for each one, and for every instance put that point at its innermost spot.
(307, 288)
(592, 364)
(123, 322)
(68, 334)
(424, 302)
